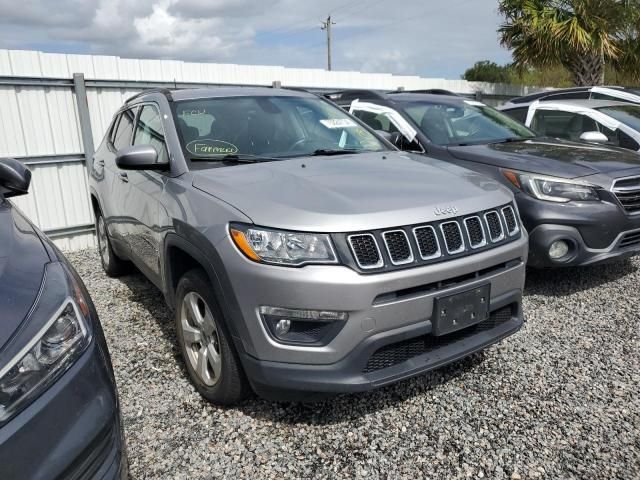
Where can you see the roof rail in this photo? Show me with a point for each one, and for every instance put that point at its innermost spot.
(431, 91)
(165, 91)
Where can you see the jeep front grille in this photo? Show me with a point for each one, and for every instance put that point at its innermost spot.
(475, 232)
(495, 226)
(510, 220)
(627, 191)
(365, 249)
(398, 247)
(413, 245)
(427, 242)
(452, 237)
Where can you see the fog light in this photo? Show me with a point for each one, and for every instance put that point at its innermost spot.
(282, 327)
(299, 326)
(558, 249)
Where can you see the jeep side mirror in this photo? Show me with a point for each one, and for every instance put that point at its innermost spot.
(139, 157)
(594, 137)
(15, 178)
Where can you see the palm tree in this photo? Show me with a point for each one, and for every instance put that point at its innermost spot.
(580, 35)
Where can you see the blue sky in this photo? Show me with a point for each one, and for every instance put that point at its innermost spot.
(432, 38)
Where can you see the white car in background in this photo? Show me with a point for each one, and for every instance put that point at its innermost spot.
(518, 107)
(596, 121)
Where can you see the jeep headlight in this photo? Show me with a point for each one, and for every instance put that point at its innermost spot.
(283, 247)
(58, 332)
(552, 189)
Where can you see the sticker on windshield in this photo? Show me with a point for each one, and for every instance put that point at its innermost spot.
(204, 148)
(339, 123)
(474, 103)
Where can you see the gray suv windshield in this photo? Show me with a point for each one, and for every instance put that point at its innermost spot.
(267, 128)
(464, 123)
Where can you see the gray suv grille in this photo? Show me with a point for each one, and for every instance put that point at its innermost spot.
(365, 249)
(416, 244)
(627, 191)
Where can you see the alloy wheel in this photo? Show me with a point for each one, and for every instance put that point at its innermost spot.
(200, 337)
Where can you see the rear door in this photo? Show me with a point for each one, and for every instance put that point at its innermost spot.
(112, 205)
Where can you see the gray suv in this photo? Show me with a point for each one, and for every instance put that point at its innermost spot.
(302, 254)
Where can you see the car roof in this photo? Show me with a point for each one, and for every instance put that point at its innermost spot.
(180, 94)
(589, 103)
(431, 97)
(555, 91)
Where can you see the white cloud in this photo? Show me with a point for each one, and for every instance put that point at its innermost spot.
(435, 38)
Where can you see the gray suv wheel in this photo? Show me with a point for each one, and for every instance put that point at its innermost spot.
(209, 355)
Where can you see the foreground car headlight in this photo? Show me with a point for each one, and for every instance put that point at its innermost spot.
(283, 247)
(552, 189)
(53, 348)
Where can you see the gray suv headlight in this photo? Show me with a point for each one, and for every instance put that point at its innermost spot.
(283, 247)
(61, 337)
(552, 189)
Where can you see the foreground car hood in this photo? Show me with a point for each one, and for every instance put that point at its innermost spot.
(22, 262)
(350, 192)
(550, 157)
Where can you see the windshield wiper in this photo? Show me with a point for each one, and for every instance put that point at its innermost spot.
(328, 152)
(233, 158)
(513, 139)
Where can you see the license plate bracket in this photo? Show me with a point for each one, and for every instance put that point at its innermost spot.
(460, 310)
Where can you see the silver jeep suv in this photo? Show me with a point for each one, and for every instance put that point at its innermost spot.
(302, 254)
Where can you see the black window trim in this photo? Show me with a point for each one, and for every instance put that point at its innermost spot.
(116, 123)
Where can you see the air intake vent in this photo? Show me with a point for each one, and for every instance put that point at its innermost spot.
(365, 250)
(495, 226)
(452, 237)
(427, 242)
(398, 247)
(475, 232)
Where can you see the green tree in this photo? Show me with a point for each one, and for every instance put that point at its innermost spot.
(580, 35)
(487, 71)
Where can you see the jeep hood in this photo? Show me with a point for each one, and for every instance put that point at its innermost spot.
(550, 157)
(350, 192)
(22, 263)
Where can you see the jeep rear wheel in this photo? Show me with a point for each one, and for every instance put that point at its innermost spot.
(210, 357)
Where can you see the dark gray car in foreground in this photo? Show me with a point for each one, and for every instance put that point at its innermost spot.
(580, 203)
(302, 254)
(59, 414)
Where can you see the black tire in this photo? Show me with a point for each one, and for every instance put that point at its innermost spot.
(113, 265)
(219, 378)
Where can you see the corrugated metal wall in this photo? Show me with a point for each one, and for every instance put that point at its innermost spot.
(39, 120)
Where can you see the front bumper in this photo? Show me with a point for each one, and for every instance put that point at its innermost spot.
(596, 231)
(377, 318)
(73, 430)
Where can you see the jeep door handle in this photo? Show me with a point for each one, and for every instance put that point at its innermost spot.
(124, 177)
(101, 163)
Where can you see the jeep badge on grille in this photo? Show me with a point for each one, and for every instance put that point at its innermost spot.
(445, 210)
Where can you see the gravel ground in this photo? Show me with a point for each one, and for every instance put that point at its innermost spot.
(560, 399)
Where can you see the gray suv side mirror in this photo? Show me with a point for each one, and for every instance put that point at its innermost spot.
(15, 178)
(594, 137)
(139, 157)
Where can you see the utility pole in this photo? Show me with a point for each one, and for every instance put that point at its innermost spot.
(327, 26)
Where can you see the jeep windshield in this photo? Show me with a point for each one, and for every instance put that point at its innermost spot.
(265, 128)
(465, 123)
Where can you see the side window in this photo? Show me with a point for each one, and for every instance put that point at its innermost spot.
(625, 141)
(124, 129)
(381, 122)
(604, 96)
(149, 131)
(519, 114)
(556, 123)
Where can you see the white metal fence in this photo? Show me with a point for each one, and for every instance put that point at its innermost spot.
(46, 121)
